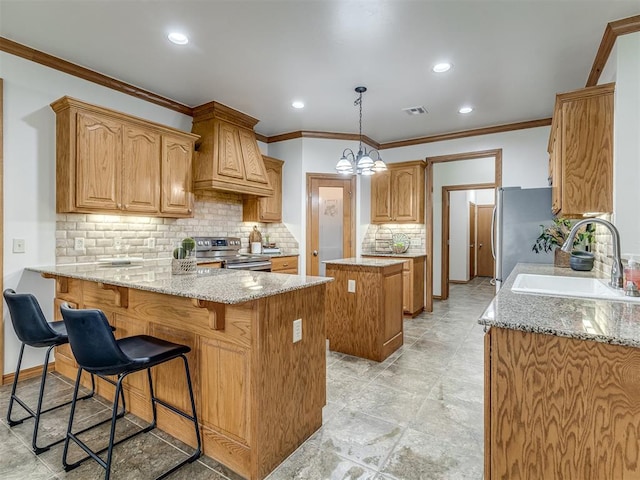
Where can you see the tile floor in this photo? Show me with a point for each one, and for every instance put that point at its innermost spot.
(416, 416)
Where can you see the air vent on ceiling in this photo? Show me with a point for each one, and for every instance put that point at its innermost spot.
(415, 110)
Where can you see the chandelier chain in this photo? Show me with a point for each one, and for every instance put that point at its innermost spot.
(359, 103)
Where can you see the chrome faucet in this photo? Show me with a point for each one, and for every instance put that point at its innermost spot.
(616, 267)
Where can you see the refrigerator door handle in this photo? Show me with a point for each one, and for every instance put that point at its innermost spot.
(493, 232)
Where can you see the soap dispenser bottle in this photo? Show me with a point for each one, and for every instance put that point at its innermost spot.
(632, 272)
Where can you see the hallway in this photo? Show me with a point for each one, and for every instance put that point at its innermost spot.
(416, 416)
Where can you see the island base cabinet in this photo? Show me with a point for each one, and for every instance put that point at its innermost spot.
(367, 322)
(560, 408)
(259, 395)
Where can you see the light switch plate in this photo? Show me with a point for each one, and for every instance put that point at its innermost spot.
(18, 245)
(351, 286)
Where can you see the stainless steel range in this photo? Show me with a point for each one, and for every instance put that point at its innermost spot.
(226, 250)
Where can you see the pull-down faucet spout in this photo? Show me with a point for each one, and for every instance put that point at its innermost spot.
(616, 267)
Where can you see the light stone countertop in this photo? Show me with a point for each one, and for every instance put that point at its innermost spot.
(364, 262)
(581, 318)
(213, 284)
(408, 254)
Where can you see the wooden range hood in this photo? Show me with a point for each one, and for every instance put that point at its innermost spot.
(227, 156)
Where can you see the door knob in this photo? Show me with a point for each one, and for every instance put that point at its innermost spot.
(480, 245)
(315, 253)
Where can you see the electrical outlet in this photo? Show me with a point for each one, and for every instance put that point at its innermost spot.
(297, 330)
(351, 286)
(151, 242)
(78, 243)
(18, 245)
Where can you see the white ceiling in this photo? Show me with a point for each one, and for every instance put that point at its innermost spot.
(510, 56)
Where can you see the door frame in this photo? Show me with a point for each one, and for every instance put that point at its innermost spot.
(497, 178)
(1, 228)
(444, 249)
(352, 230)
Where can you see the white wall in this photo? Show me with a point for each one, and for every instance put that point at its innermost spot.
(459, 235)
(29, 173)
(626, 149)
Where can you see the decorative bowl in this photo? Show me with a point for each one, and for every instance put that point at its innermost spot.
(581, 261)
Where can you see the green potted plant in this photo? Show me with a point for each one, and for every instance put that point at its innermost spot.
(553, 236)
(183, 259)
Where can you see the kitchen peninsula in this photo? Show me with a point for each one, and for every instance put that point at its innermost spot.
(259, 395)
(562, 388)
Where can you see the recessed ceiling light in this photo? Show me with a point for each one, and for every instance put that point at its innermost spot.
(297, 104)
(178, 38)
(441, 67)
(465, 110)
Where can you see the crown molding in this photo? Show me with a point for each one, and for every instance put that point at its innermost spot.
(28, 53)
(611, 32)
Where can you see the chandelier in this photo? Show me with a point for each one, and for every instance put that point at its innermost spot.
(362, 162)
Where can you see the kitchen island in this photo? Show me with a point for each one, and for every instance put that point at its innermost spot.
(259, 394)
(562, 385)
(364, 306)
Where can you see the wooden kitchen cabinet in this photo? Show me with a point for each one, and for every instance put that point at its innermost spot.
(397, 195)
(110, 162)
(266, 209)
(581, 152)
(365, 320)
(177, 198)
(558, 407)
(288, 264)
(413, 281)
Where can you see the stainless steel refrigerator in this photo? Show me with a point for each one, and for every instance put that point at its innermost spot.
(518, 214)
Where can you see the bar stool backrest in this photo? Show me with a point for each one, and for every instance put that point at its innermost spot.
(29, 322)
(92, 341)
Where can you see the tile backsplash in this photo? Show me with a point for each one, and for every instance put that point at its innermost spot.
(216, 214)
(378, 235)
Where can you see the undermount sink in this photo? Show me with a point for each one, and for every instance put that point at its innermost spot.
(568, 287)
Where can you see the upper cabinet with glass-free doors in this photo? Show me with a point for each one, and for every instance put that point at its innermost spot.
(110, 162)
(581, 152)
(397, 195)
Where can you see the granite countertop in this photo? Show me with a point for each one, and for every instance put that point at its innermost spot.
(581, 318)
(399, 255)
(364, 262)
(213, 284)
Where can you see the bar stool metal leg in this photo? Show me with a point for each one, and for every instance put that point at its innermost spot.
(38, 412)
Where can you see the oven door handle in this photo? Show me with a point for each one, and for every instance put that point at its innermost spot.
(261, 266)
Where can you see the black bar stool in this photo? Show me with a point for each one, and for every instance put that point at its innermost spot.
(32, 329)
(98, 352)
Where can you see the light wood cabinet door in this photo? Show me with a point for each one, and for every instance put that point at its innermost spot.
(98, 162)
(404, 185)
(141, 170)
(177, 197)
(397, 195)
(581, 152)
(266, 209)
(381, 197)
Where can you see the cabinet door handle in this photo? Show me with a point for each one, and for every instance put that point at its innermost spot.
(315, 253)
(285, 264)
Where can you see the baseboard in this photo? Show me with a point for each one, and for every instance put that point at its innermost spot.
(27, 373)
(459, 281)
